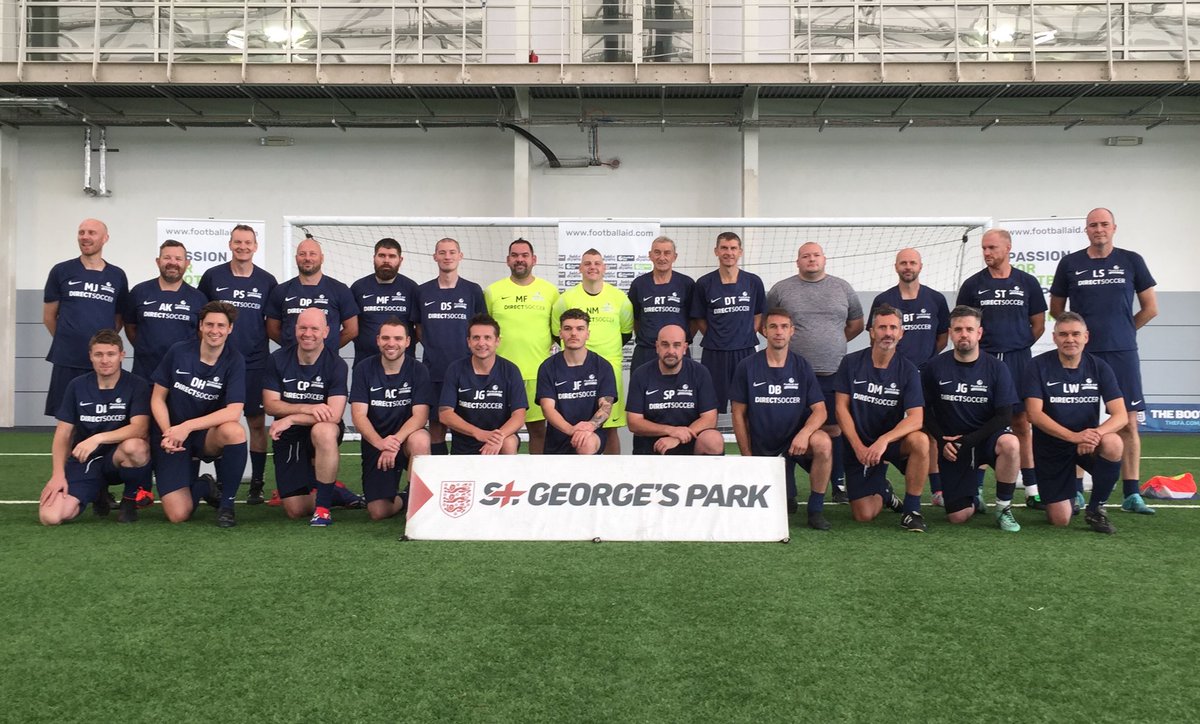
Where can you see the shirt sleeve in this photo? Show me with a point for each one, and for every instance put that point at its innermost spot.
(122, 290)
(943, 313)
(964, 297)
(813, 392)
(450, 387)
(841, 379)
(635, 398)
(422, 387)
(235, 379)
(341, 371)
(518, 400)
(854, 307)
(1037, 300)
(1142, 279)
(206, 283)
(1032, 385)
(270, 377)
(608, 381)
(478, 304)
(760, 296)
(139, 403)
(545, 385)
(274, 309)
(697, 310)
(162, 374)
(52, 292)
(560, 306)
(358, 386)
(68, 409)
(626, 315)
(1060, 286)
(347, 304)
(706, 393)
(1006, 391)
(913, 396)
(1109, 389)
(738, 384)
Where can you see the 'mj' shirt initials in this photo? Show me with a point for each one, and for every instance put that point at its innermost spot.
(878, 397)
(88, 300)
(195, 389)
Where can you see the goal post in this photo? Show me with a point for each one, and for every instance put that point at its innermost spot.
(860, 250)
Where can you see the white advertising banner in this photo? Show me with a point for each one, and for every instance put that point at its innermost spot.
(207, 242)
(1037, 246)
(624, 244)
(601, 497)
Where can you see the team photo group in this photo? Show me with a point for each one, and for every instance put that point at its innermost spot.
(941, 392)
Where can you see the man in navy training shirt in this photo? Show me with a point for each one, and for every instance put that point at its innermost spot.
(162, 311)
(660, 297)
(247, 287)
(100, 439)
(1014, 317)
(779, 409)
(199, 390)
(727, 305)
(311, 288)
(968, 407)
(1063, 394)
(304, 389)
(82, 296)
(671, 405)
(926, 318)
(880, 410)
(483, 399)
(445, 304)
(390, 399)
(386, 293)
(1101, 283)
(576, 389)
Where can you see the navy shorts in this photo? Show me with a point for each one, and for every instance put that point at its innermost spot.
(254, 402)
(1128, 370)
(645, 446)
(559, 444)
(294, 452)
(86, 480)
(862, 481)
(827, 382)
(958, 477)
(1055, 466)
(1017, 362)
(720, 364)
(173, 471)
(380, 484)
(642, 355)
(60, 377)
(433, 409)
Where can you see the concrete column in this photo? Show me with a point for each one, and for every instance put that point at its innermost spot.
(8, 276)
(521, 200)
(750, 134)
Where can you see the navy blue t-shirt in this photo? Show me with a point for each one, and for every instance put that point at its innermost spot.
(390, 398)
(443, 315)
(195, 389)
(963, 396)
(1007, 305)
(924, 318)
(575, 390)
(485, 401)
(778, 399)
(299, 384)
(676, 400)
(658, 305)
(162, 318)
(249, 295)
(1072, 398)
(329, 295)
(1102, 290)
(729, 309)
(376, 304)
(93, 410)
(878, 397)
(88, 301)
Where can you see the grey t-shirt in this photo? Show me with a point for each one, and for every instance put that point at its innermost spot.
(820, 311)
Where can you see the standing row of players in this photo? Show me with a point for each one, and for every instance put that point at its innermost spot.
(726, 305)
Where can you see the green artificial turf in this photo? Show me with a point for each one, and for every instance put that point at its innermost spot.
(274, 621)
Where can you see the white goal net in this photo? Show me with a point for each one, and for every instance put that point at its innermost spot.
(862, 251)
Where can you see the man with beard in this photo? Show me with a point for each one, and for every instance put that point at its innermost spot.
(247, 287)
(82, 296)
(386, 293)
(162, 311)
(969, 397)
(390, 400)
(311, 288)
(672, 405)
(522, 304)
(880, 410)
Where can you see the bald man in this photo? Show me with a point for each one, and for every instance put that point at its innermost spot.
(926, 317)
(82, 296)
(672, 403)
(310, 288)
(1101, 283)
(826, 314)
(1014, 317)
(305, 390)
